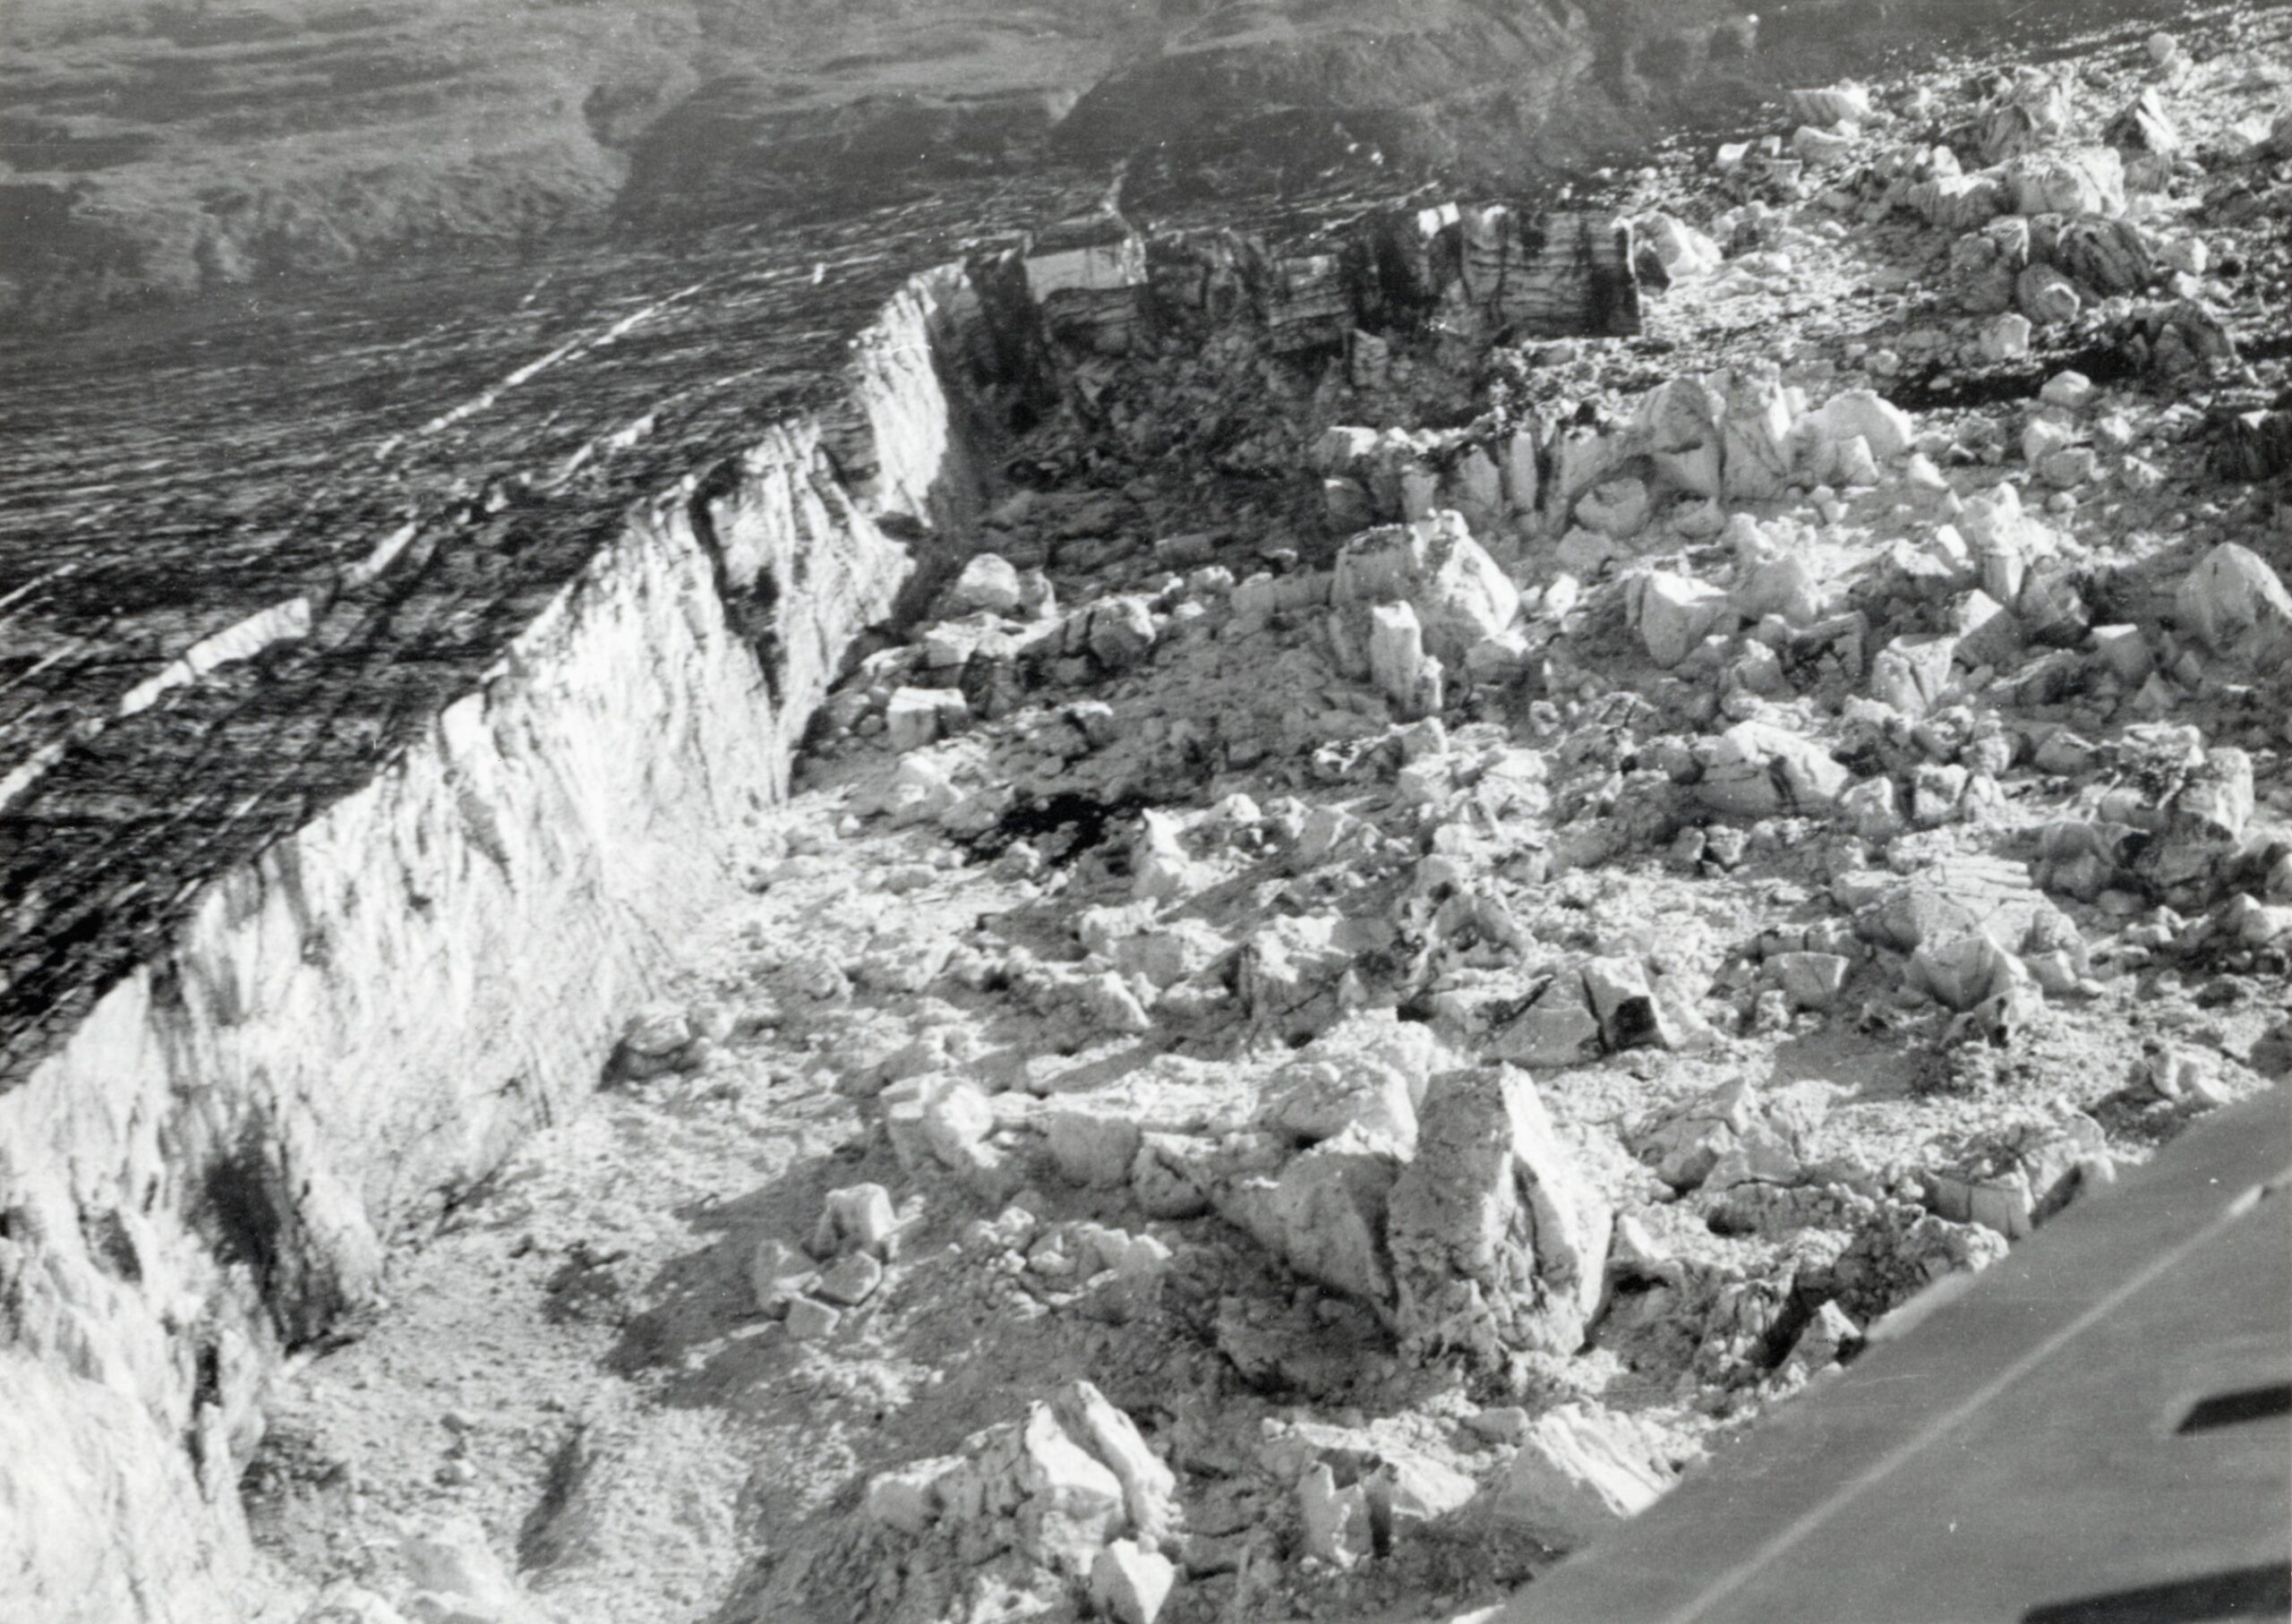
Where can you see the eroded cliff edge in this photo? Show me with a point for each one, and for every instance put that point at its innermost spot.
(249, 1044)
(344, 1031)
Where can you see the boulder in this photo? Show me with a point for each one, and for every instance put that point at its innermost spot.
(1149, 1487)
(1326, 1213)
(1914, 674)
(1456, 590)
(1680, 421)
(1616, 508)
(1829, 1336)
(2051, 608)
(1120, 632)
(1963, 971)
(1835, 105)
(2006, 337)
(1984, 265)
(2234, 602)
(991, 684)
(1287, 969)
(1130, 1583)
(1335, 1521)
(1342, 450)
(955, 1117)
(2004, 540)
(944, 651)
(654, 1039)
(1410, 1489)
(1811, 981)
(2105, 255)
(1938, 793)
(1759, 769)
(1579, 455)
(1397, 659)
(851, 1280)
(1869, 809)
(1498, 1242)
(1160, 871)
(916, 717)
(1851, 464)
(812, 1321)
(1681, 250)
(2144, 127)
(1883, 426)
(1992, 895)
(1729, 1124)
(1111, 1004)
(1473, 487)
(858, 1218)
(1759, 425)
(1071, 1501)
(2191, 255)
(1959, 202)
(1773, 584)
(778, 1274)
(2041, 437)
(2072, 392)
(1624, 1003)
(1820, 149)
(2069, 468)
(2123, 651)
(1169, 1177)
(1518, 466)
(2032, 111)
(1346, 507)
(1557, 1030)
(2047, 297)
(1035, 1485)
(1674, 613)
(1986, 631)
(2203, 825)
(1092, 1145)
(1578, 1472)
(2181, 340)
(1369, 1072)
(2089, 180)
(989, 582)
(2256, 445)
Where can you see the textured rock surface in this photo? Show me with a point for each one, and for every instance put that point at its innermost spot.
(261, 1049)
(1062, 1149)
(100, 1518)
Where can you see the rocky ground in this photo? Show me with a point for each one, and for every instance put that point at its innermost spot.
(1425, 934)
